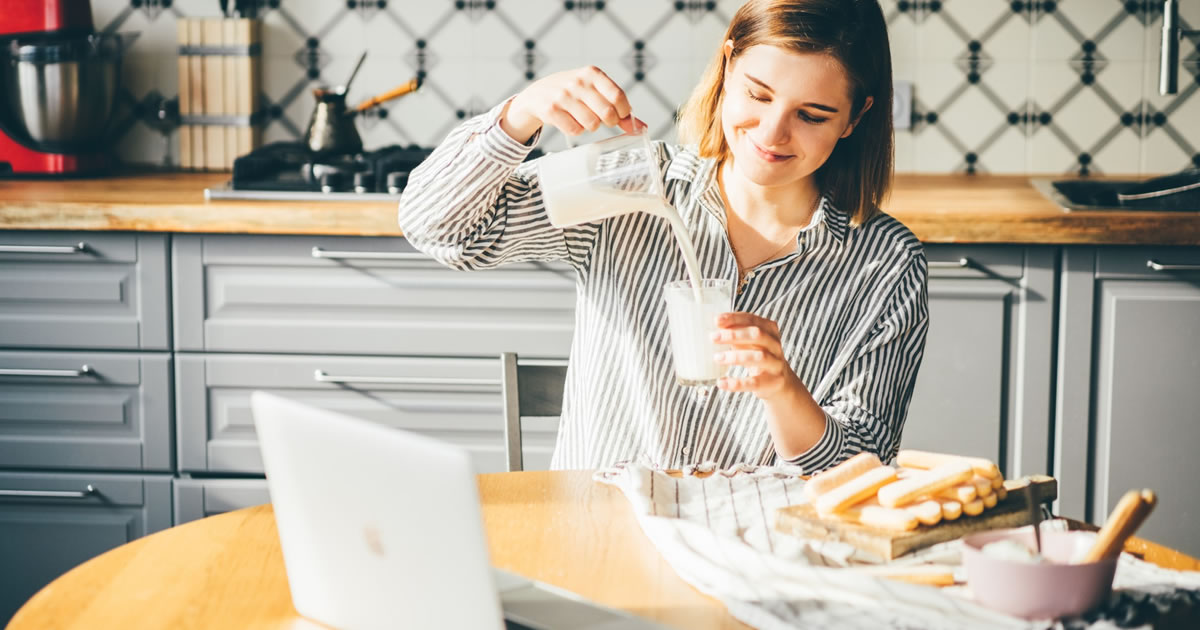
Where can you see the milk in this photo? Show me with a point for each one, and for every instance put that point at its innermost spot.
(692, 322)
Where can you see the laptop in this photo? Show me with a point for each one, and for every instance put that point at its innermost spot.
(381, 528)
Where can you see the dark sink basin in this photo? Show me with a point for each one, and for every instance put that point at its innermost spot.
(1178, 192)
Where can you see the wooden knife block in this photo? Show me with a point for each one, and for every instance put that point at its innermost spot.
(219, 87)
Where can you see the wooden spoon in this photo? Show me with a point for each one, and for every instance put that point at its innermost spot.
(1133, 508)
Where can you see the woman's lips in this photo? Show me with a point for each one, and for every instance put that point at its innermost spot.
(768, 156)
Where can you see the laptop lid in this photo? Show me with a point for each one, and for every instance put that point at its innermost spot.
(380, 528)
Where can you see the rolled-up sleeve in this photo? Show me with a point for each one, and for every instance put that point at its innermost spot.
(474, 203)
(866, 407)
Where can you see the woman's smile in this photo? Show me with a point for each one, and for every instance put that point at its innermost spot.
(768, 156)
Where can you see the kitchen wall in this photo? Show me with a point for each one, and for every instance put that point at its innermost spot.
(999, 86)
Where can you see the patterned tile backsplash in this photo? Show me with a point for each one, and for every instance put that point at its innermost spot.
(999, 86)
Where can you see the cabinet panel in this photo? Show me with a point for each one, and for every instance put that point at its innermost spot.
(55, 415)
(42, 536)
(985, 383)
(83, 290)
(200, 498)
(958, 401)
(345, 296)
(216, 430)
(1147, 402)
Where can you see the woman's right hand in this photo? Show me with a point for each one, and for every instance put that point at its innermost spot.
(574, 101)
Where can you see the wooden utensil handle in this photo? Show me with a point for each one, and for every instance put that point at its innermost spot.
(389, 95)
(1133, 508)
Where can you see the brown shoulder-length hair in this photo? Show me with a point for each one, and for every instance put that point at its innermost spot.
(858, 173)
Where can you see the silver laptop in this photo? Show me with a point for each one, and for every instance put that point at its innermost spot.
(381, 528)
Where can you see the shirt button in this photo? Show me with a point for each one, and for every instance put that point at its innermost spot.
(687, 450)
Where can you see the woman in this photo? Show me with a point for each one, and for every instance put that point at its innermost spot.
(787, 156)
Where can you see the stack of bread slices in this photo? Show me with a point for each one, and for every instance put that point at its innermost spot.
(923, 489)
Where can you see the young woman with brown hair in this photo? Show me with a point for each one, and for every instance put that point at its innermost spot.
(786, 156)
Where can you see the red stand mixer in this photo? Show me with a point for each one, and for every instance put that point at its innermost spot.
(58, 86)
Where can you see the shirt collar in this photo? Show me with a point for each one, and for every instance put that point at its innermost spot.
(708, 195)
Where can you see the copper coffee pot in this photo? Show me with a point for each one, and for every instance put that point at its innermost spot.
(331, 128)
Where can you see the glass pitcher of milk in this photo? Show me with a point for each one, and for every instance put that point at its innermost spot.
(600, 180)
(607, 178)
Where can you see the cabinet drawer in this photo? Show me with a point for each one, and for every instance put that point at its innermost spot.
(1151, 263)
(83, 290)
(455, 400)
(114, 415)
(49, 523)
(199, 498)
(975, 261)
(347, 295)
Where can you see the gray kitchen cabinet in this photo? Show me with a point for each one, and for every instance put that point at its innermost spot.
(452, 399)
(353, 295)
(49, 523)
(1129, 372)
(83, 290)
(984, 386)
(85, 410)
(199, 498)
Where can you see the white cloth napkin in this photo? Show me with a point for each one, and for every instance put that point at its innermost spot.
(716, 532)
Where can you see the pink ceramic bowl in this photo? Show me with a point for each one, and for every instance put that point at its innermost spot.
(1037, 591)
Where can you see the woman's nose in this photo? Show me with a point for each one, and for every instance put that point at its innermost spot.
(775, 129)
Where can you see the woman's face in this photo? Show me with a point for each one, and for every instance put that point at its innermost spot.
(783, 113)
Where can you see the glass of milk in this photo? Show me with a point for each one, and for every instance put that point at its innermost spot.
(692, 317)
(599, 180)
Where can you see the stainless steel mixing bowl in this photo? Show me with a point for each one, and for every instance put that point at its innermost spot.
(63, 91)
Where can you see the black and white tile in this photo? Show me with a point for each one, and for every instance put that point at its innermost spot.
(1000, 86)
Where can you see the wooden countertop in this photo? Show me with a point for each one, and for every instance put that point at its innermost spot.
(938, 208)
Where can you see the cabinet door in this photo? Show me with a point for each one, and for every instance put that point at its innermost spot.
(377, 296)
(1147, 397)
(83, 290)
(455, 400)
(50, 523)
(200, 498)
(114, 415)
(984, 384)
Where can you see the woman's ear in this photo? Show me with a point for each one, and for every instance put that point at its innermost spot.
(866, 106)
(727, 50)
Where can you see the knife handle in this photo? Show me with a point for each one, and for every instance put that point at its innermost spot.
(1125, 519)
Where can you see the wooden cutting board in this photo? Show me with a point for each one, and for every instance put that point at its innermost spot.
(1013, 511)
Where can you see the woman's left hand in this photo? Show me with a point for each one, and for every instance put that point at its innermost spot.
(755, 345)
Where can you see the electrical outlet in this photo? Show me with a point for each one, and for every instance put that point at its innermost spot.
(902, 104)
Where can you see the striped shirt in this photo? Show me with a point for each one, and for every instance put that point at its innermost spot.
(851, 304)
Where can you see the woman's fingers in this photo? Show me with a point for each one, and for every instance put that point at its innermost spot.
(756, 358)
(609, 91)
(739, 319)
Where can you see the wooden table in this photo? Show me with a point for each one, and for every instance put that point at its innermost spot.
(227, 571)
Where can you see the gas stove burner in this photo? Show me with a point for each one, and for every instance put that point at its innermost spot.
(289, 171)
(292, 167)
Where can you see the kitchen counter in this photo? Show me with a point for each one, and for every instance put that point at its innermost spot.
(938, 208)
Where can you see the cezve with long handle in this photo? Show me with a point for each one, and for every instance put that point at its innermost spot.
(1133, 508)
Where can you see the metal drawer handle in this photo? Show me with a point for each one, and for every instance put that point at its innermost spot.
(1157, 266)
(85, 370)
(321, 376)
(77, 248)
(88, 491)
(950, 264)
(331, 254)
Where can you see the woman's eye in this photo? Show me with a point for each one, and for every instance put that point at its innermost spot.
(761, 99)
(810, 119)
